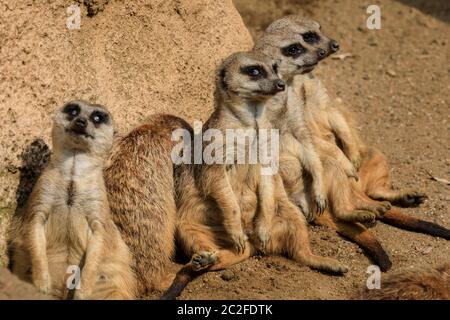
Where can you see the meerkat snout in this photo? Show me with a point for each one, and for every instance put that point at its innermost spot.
(321, 53)
(334, 46)
(280, 85)
(79, 125)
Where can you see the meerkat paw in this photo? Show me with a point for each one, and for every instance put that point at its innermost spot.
(309, 215)
(363, 216)
(203, 260)
(353, 174)
(356, 160)
(335, 267)
(383, 207)
(239, 241)
(350, 170)
(328, 265)
(321, 203)
(43, 283)
(410, 199)
(263, 233)
(377, 207)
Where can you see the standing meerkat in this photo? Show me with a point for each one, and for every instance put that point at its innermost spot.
(139, 181)
(66, 223)
(246, 81)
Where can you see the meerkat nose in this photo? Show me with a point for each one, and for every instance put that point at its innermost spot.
(334, 45)
(81, 122)
(280, 85)
(322, 53)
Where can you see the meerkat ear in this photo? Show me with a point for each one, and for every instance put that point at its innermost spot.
(222, 75)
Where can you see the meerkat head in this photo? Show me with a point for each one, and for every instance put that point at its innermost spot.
(249, 76)
(82, 126)
(297, 43)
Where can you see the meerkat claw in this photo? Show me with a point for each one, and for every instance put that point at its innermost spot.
(239, 241)
(322, 204)
(263, 236)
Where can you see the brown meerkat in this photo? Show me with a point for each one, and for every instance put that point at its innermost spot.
(335, 122)
(298, 57)
(294, 60)
(66, 226)
(245, 82)
(139, 181)
(432, 283)
(303, 37)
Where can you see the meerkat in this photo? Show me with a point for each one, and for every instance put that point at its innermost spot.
(245, 82)
(335, 124)
(297, 57)
(140, 185)
(432, 283)
(299, 45)
(66, 223)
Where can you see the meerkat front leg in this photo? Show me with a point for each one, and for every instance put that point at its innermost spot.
(266, 211)
(94, 251)
(312, 164)
(335, 152)
(341, 129)
(219, 188)
(38, 253)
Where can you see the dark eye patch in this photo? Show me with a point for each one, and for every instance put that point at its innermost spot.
(99, 117)
(293, 50)
(72, 110)
(311, 37)
(255, 72)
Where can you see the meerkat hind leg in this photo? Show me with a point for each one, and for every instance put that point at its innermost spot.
(362, 202)
(375, 179)
(289, 235)
(401, 198)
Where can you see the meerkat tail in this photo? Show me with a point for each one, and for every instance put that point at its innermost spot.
(360, 235)
(400, 220)
(367, 241)
(182, 279)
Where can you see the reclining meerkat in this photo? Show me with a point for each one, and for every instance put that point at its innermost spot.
(336, 124)
(298, 57)
(140, 185)
(246, 81)
(432, 283)
(66, 223)
(292, 40)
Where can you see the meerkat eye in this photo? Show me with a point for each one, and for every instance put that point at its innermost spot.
(311, 37)
(293, 50)
(99, 117)
(72, 110)
(254, 71)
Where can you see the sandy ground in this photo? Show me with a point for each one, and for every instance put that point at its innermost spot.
(397, 83)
